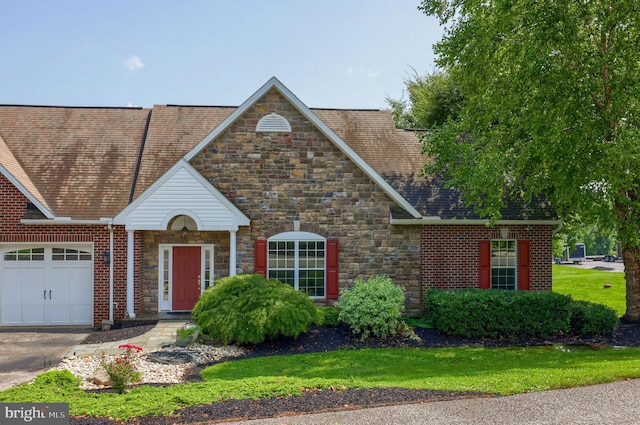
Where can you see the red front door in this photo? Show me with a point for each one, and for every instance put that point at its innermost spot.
(186, 277)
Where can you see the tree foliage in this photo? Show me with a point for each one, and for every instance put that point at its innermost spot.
(433, 99)
(551, 99)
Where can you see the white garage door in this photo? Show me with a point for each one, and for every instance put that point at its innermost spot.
(46, 285)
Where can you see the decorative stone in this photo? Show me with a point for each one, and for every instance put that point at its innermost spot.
(100, 378)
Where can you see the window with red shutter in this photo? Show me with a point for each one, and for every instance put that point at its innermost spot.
(306, 261)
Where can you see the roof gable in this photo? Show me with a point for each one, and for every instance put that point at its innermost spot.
(181, 191)
(274, 83)
(13, 171)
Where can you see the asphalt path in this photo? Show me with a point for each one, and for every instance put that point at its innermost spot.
(607, 404)
(616, 266)
(27, 352)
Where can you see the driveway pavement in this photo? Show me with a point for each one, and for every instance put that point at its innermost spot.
(608, 404)
(26, 352)
(616, 266)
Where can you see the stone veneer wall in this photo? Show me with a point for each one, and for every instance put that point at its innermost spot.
(451, 254)
(275, 178)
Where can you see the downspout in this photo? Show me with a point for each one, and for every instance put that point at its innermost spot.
(111, 260)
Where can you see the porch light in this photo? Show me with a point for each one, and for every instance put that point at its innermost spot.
(106, 256)
(185, 233)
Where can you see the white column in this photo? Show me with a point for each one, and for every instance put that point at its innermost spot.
(130, 285)
(232, 253)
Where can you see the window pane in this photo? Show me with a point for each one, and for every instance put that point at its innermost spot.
(300, 264)
(503, 264)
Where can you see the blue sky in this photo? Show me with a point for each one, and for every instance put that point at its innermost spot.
(330, 53)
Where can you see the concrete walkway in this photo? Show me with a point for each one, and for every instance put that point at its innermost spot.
(162, 334)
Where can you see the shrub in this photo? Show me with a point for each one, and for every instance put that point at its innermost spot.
(592, 318)
(121, 369)
(373, 307)
(329, 316)
(248, 308)
(478, 313)
(57, 378)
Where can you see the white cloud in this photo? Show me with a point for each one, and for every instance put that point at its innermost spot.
(364, 72)
(133, 63)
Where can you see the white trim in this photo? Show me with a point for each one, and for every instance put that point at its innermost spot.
(313, 118)
(232, 253)
(61, 220)
(301, 236)
(131, 312)
(34, 200)
(168, 305)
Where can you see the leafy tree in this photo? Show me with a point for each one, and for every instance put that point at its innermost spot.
(551, 101)
(433, 99)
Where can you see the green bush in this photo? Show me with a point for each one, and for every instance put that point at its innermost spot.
(592, 318)
(373, 307)
(329, 316)
(57, 378)
(478, 313)
(248, 308)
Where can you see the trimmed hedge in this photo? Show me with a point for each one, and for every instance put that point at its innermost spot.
(479, 313)
(589, 318)
(248, 308)
(498, 314)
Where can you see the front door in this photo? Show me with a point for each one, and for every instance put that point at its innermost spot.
(186, 277)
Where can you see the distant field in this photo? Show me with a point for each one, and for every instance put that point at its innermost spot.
(588, 285)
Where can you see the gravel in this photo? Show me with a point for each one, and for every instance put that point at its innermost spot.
(328, 339)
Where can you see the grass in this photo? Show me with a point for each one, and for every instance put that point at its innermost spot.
(588, 285)
(492, 370)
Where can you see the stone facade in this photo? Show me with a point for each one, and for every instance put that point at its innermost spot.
(277, 178)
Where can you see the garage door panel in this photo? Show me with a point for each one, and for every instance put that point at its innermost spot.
(79, 313)
(45, 289)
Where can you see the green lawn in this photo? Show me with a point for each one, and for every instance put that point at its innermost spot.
(588, 285)
(492, 370)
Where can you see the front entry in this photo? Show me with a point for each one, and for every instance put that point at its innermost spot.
(186, 277)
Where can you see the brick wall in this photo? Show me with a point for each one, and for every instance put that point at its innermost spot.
(13, 205)
(275, 178)
(450, 254)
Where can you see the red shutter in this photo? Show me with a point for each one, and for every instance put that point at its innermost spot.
(332, 269)
(524, 265)
(260, 260)
(485, 265)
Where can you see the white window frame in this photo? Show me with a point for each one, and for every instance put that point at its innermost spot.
(296, 238)
(165, 265)
(504, 262)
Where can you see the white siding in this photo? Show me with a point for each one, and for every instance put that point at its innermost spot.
(184, 193)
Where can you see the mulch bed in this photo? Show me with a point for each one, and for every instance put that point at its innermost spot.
(320, 339)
